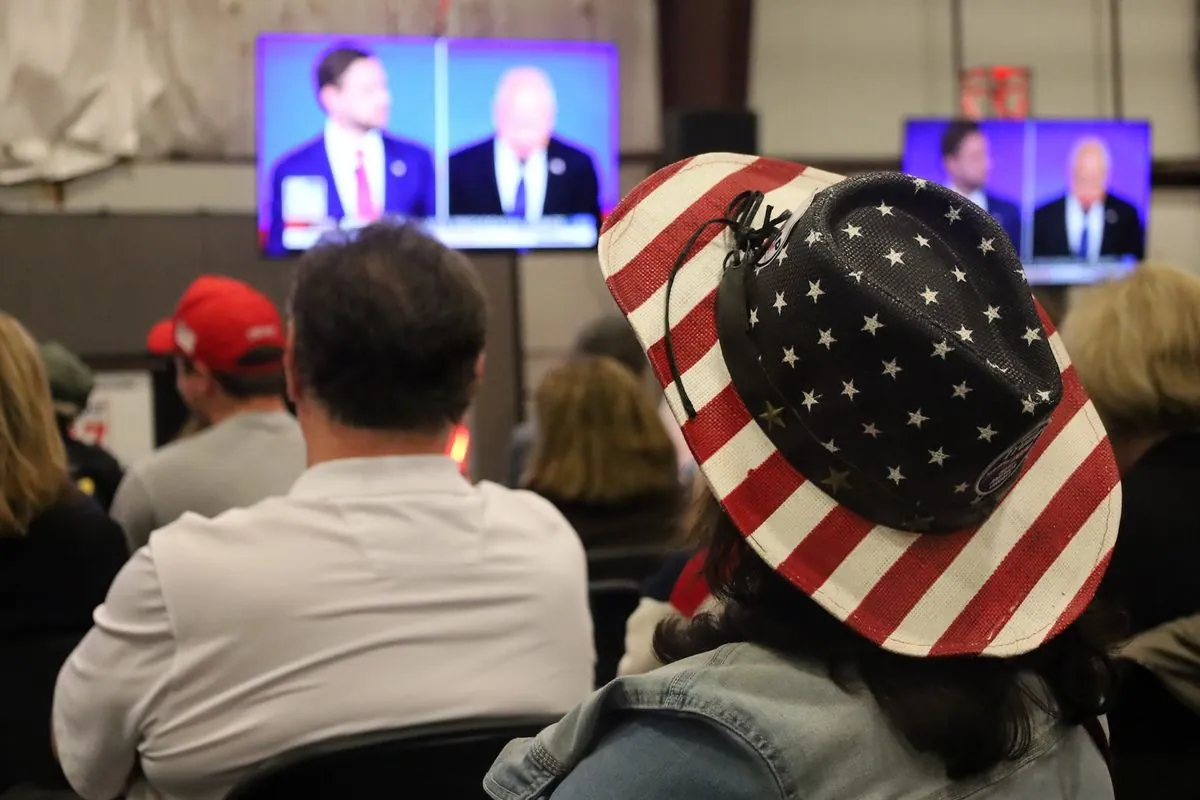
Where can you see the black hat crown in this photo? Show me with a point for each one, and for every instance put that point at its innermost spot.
(887, 343)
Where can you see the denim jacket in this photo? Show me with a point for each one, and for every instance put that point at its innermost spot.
(743, 721)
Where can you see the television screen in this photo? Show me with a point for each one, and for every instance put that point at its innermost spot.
(1073, 195)
(489, 143)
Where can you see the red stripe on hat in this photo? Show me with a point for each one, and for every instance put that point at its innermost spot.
(639, 192)
(918, 568)
(824, 548)
(691, 589)
(763, 491)
(638, 280)
(1082, 598)
(1027, 561)
(691, 338)
(716, 423)
(1044, 317)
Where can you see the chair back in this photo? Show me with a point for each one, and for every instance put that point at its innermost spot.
(445, 759)
(611, 602)
(632, 563)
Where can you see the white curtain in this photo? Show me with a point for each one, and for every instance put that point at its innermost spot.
(84, 83)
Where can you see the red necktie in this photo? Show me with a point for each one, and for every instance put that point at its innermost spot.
(366, 206)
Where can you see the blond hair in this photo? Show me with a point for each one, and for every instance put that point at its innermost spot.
(1135, 344)
(33, 462)
(599, 436)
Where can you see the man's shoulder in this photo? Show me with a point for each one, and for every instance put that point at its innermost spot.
(473, 151)
(399, 147)
(573, 154)
(1000, 204)
(301, 156)
(1119, 204)
(1051, 206)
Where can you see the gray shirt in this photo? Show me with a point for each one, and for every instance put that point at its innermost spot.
(235, 463)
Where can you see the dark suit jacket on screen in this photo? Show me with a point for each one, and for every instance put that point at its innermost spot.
(409, 181)
(574, 189)
(1124, 234)
(1008, 214)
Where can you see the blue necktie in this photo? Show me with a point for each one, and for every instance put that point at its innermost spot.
(1084, 254)
(518, 209)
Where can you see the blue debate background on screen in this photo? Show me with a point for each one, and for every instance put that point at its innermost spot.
(290, 115)
(1006, 144)
(585, 84)
(1129, 148)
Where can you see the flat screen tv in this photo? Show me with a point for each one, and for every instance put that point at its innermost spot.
(489, 143)
(1073, 195)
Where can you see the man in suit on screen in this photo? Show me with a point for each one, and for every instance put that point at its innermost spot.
(523, 171)
(967, 161)
(1088, 221)
(353, 171)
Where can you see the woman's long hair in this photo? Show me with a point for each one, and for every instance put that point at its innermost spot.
(971, 712)
(599, 437)
(33, 462)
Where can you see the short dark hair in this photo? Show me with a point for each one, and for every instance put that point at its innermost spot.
(955, 133)
(388, 326)
(244, 386)
(335, 62)
(612, 336)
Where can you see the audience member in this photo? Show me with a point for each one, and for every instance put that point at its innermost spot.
(58, 553)
(903, 590)
(603, 456)
(229, 361)
(383, 590)
(95, 471)
(1135, 343)
(612, 337)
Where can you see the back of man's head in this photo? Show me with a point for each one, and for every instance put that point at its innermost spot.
(613, 337)
(388, 328)
(70, 379)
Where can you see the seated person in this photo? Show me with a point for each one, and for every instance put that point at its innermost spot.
(603, 457)
(95, 471)
(383, 591)
(228, 348)
(59, 552)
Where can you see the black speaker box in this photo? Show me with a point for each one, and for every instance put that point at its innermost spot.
(690, 132)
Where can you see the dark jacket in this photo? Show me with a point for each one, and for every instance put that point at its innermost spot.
(1008, 214)
(95, 471)
(1124, 234)
(410, 181)
(572, 186)
(51, 580)
(651, 519)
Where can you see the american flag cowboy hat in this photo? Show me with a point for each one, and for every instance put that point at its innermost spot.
(874, 397)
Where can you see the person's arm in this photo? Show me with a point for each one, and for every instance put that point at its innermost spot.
(111, 686)
(658, 755)
(133, 510)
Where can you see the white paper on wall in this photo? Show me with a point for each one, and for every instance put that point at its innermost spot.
(120, 415)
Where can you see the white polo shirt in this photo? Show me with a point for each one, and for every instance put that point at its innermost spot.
(380, 592)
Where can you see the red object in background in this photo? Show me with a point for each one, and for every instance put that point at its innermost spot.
(459, 446)
(1000, 92)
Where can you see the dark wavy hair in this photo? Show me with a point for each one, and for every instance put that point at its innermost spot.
(971, 712)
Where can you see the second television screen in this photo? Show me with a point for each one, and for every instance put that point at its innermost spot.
(491, 144)
(1073, 195)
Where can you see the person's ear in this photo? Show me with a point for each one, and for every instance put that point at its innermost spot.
(327, 97)
(289, 365)
(479, 364)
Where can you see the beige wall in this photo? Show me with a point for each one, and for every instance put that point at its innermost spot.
(830, 78)
(836, 78)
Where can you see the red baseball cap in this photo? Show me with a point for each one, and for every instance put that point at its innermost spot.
(217, 322)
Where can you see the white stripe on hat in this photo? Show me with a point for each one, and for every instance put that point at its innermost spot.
(694, 280)
(950, 593)
(1048, 590)
(668, 201)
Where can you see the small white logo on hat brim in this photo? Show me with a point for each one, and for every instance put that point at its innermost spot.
(1006, 466)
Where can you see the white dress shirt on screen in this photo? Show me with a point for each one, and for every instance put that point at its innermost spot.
(1077, 219)
(509, 173)
(343, 148)
(380, 593)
